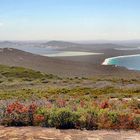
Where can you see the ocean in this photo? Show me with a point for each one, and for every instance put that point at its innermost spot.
(131, 62)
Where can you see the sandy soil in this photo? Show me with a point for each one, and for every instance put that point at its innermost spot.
(37, 133)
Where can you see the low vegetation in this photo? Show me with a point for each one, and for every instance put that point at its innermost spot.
(7, 72)
(30, 98)
(64, 114)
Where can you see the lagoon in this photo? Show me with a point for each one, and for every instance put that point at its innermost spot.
(52, 52)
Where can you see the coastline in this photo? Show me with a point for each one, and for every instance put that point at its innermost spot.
(108, 61)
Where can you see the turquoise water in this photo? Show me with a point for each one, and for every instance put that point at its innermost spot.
(129, 61)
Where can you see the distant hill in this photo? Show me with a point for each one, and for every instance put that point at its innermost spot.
(76, 46)
(60, 45)
(8, 43)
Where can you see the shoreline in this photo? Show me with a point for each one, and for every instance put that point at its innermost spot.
(107, 61)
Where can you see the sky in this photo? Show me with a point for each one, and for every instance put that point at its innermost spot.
(69, 19)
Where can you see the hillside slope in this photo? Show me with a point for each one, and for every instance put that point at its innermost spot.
(14, 57)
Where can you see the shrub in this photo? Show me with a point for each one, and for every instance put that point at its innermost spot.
(91, 119)
(103, 119)
(43, 115)
(63, 118)
(61, 103)
(134, 104)
(113, 117)
(88, 118)
(39, 119)
(104, 105)
(79, 114)
(126, 121)
(136, 122)
(108, 119)
(17, 114)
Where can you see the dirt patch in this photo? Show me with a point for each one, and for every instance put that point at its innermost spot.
(37, 133)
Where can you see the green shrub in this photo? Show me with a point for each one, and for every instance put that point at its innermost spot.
(113, 117)
(88, 118)
(63, 118)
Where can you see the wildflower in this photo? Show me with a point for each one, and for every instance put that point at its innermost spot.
(39, 118)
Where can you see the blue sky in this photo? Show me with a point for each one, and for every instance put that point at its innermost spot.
(69, 19)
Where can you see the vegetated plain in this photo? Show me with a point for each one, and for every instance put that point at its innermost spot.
(33, 98)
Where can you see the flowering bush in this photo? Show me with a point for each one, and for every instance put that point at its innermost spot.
(39, 119)
(73, 114)
(104, 105)
(17, 114)
(126, 121)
